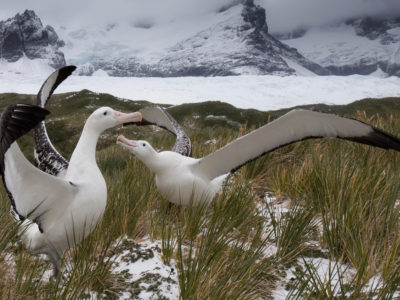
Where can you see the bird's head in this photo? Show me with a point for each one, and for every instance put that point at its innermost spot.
(141, 149)
(105, 117)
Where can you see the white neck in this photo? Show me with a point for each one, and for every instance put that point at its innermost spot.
(153, 162)
(85, 151)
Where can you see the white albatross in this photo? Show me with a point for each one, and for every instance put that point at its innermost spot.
(58, 212)
(182, 179)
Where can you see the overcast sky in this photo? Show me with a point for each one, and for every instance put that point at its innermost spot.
(281, 14)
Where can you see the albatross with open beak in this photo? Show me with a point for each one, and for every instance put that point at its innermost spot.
(182, 179)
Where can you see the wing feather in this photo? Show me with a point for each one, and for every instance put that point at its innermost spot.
(47, 158)
(15, 121)
(31, 191)
(297, 125)
(156, 115)
(35, 195)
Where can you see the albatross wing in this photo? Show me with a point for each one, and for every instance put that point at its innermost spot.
(297, 125)
(35, 195)
(31, 191)
(156, 115)
(15, 121)
(47, 157)
(51, 83)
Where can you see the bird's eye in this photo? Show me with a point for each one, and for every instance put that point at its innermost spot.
(144, 145)
(105, 113)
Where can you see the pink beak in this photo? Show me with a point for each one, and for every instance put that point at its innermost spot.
(125, 141)
(127, 118)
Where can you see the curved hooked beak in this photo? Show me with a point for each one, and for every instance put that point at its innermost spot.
(123, 118)
(126, 143)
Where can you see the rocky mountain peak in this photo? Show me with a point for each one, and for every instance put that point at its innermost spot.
(25, 35)
(26, 15)
(254, 15)
(238, 44)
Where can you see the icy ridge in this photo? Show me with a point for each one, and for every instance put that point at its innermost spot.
(360, 46)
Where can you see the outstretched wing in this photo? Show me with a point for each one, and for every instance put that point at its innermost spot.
(297, 125)
(31, 191)
(16, 120)
(47, 157)
(156, 115)
(35, 195)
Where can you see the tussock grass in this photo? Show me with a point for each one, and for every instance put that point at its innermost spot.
(341, 204)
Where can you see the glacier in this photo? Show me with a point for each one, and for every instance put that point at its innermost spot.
(263, 92)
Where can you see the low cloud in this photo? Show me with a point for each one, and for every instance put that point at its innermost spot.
(284, 15)
(94, 11)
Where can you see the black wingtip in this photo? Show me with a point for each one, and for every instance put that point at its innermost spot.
(67, 70)
(378, 138)
(17, 120)
(62, 74)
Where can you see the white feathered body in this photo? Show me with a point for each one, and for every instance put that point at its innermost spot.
(176, 181)
(68, 226)
(71, 205)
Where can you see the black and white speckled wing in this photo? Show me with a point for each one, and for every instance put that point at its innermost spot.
(34, 194)
(296, 125)
(156, 115)
(15, 121)
(47, 158)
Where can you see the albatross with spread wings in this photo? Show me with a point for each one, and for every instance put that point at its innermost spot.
(59, 203)
(182, 179)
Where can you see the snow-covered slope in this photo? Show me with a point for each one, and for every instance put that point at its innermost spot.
(239, 45)
(360, 46)
(265, 92)
(231, 40)
(25, 67)
(235, 41)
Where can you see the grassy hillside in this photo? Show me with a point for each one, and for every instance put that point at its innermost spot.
(69, 110)
(324, 199)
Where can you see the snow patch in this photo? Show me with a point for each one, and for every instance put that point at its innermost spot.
(25, 67)
(100, 73)
(379, 73)
(300, 70)
(224, 118)
(146, 275)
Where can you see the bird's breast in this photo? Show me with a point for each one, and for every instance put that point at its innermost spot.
(182, 187)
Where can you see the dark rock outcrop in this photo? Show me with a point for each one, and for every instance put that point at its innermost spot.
(24, 34)
(254, 16)
(377, 28)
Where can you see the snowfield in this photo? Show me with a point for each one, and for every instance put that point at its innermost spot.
(260, 92)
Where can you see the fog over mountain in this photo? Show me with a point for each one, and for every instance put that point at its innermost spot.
(286, 15)
(282, 15)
